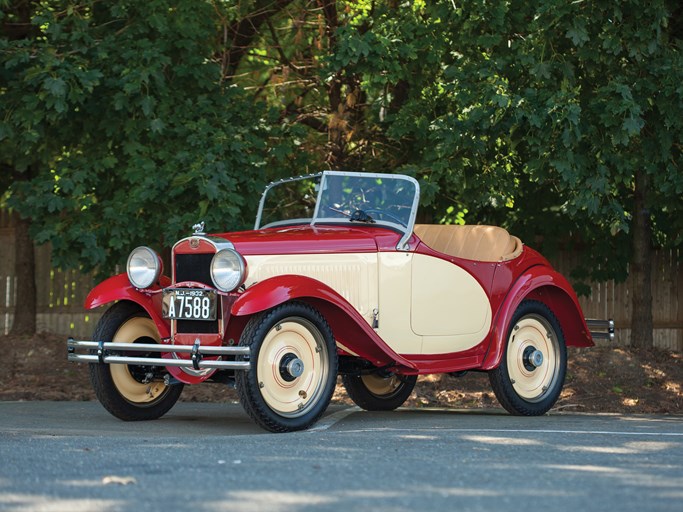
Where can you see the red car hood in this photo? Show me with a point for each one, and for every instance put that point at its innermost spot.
(311, 240)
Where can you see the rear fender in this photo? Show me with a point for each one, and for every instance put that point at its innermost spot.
(349, 328)
(119, 288)
(543, 284)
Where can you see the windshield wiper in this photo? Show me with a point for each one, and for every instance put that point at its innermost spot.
(361, 216)
(357, 216)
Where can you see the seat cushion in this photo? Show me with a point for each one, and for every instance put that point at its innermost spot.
(471, 242)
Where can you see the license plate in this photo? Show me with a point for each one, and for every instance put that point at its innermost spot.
(188, 304)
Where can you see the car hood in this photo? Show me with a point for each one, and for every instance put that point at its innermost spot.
(310, 240)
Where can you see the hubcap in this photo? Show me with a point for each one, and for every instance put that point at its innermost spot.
(292, 367)
(532, 358)
(381, 386)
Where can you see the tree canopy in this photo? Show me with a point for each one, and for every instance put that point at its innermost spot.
(120, 129)
(124, 122)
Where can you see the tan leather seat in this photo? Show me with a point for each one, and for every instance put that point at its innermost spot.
(472, 242)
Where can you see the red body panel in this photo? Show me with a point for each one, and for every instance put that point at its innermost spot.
(119, 288)
(305, 240)
(540, 283)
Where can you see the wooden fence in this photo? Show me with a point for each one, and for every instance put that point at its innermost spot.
(61, 296)
(614, 300)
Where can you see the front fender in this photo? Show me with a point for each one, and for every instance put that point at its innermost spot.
(348, 326)
(545, 285)
(119, 288)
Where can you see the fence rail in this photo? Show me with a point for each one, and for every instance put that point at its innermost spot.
(61, 296)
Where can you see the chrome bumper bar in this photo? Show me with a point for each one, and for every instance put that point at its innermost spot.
(101, 352)
(601, 329)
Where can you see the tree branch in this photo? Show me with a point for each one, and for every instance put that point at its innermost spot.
(245, 31)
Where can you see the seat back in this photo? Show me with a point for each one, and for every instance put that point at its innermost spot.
(471, 242)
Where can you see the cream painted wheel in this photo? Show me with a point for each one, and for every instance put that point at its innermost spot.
(293, 367)
(532, 358)
(531, 374)
(130, 387)
(381, 385)
(131, 392)
(380, 391)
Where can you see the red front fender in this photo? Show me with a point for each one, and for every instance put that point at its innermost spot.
(348, 326)
(119, 288)
(543, 284)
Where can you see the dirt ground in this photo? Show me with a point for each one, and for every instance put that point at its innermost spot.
(599, 379)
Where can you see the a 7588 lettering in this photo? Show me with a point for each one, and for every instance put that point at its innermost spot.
(189, 304)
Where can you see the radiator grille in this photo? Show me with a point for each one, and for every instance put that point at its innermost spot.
(195, 267)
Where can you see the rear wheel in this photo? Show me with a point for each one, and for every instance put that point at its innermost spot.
(131, 392)
(531, 374)
(380, 391)
(294, 367)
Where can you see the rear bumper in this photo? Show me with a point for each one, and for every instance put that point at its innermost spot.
(111, 353)
(601, 329)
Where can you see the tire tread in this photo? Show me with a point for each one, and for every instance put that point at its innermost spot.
(245, 381)
(500, 379)
(100, 375)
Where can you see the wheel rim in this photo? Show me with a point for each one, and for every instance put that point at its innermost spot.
(293, 367)
(128, 386)
(382, 386)
(532, 358)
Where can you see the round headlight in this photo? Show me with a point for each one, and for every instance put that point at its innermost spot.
(228, 270)
(144, 267)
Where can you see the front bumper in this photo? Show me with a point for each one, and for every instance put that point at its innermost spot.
(109, 353)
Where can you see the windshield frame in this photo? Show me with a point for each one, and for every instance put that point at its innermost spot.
(405, 230)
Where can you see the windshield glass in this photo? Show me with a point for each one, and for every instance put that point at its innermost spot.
(342, 197)
(290, 201)
(366, 198)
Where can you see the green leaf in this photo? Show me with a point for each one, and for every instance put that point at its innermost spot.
(55, 86)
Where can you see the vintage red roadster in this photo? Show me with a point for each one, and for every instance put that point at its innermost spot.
(335, 278)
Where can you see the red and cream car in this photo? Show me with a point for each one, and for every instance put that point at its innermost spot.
(335, 278)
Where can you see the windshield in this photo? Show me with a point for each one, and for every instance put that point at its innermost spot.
(342, 197)
(289, 201)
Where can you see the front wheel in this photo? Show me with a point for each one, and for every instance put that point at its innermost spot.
(131, 392)
(293, 367)
(379, 391)
(531, 374)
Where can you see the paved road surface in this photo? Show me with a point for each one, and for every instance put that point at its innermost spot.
(209, 457)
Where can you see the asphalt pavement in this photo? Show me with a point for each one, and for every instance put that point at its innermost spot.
(74, 456)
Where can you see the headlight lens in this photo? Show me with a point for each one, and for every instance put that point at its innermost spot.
(228, 270)
(144, 267)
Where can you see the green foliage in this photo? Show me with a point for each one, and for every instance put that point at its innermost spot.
(115, 116)
(534, 115)
(122, 121)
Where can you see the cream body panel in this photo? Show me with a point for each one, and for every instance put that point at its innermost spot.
(353, 276)
(449, 308)
(420, 311)
(395, 289)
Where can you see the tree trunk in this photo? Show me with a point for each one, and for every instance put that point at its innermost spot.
(24, 267)
(641, 268)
